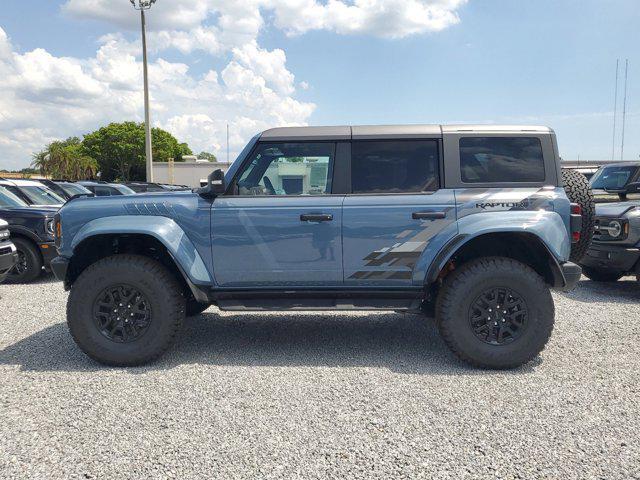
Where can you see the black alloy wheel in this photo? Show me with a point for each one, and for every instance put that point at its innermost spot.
(21, 266)
(498, 316)
(122, 313)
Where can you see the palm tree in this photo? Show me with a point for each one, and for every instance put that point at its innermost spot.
(67, 160)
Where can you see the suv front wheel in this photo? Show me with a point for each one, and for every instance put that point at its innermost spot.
(29, 266)
(125, 310)
(495, 312)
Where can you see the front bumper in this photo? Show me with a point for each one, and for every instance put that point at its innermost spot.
(49, 252)
(612, 257)
(8, 258)
(571, 273)
(59, 267)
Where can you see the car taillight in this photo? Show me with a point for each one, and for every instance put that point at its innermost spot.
(576, 222)
(576, 209)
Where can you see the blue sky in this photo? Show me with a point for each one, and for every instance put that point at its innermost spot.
(487, 61)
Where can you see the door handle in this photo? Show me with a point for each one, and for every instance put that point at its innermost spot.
(316, 217)
(428, 215)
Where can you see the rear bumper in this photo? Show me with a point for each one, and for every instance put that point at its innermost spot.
(612, 257)
(571, 273)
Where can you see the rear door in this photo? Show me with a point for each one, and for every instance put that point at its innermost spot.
(394, 211)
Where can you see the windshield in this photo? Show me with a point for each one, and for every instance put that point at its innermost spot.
(8, 199)
(124, 190)
(40, 195)
(612, 178)
(73, 189)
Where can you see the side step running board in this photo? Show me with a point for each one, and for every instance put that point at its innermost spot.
(267, 300)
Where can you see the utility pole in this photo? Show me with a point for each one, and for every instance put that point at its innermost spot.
(624, 107)
(615, 113)
(143, 5)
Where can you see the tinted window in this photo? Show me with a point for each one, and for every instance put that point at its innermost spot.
(73, 189)
(16, 191)
(8, 199)
(102, 191)
(397, 166)
(288, 169)
(122, 190)
(40, 195)
(501, 159)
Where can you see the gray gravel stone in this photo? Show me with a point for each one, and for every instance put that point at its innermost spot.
(318, 395)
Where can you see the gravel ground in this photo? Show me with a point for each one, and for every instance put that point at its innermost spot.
(320, 395)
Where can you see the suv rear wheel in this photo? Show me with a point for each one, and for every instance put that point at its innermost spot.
(495, 312)
(125, 310)
(29, 266)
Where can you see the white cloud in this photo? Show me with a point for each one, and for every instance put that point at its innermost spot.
(45, 97)
(271, 65)
(174, 14)
(240, 22)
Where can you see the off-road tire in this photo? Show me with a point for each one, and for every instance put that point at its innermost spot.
(578, 191)
(465, 284)
(194, 307)
(154, 281)
(605, 276)
(33, 261)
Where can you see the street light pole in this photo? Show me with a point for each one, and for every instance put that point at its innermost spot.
(143, 5)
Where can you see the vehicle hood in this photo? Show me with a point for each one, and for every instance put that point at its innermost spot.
(28, 212)
(617, 209)
(3, 224)
(189, 210)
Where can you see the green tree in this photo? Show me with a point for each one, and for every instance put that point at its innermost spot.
(207, 156)
(119, 149)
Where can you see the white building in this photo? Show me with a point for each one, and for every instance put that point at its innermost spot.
(191, 172)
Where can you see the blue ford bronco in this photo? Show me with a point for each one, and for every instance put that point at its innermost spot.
(468, 224)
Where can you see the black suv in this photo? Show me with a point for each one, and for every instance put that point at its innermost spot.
(32, 234)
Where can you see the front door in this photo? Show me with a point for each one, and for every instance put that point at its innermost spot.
(280, 226)
(395, 211)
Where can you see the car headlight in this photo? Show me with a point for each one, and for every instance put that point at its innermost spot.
(49, 226)
(4, 234)
(615, 229)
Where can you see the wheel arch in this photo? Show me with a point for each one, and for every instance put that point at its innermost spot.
(25, 234)
(160, 238)
(525, 247)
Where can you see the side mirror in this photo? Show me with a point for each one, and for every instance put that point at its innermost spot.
(633, 187)
(216, 184)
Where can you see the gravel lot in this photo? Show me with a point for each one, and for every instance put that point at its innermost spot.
(321, 396)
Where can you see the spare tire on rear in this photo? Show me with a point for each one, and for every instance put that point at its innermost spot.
(578, 191)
